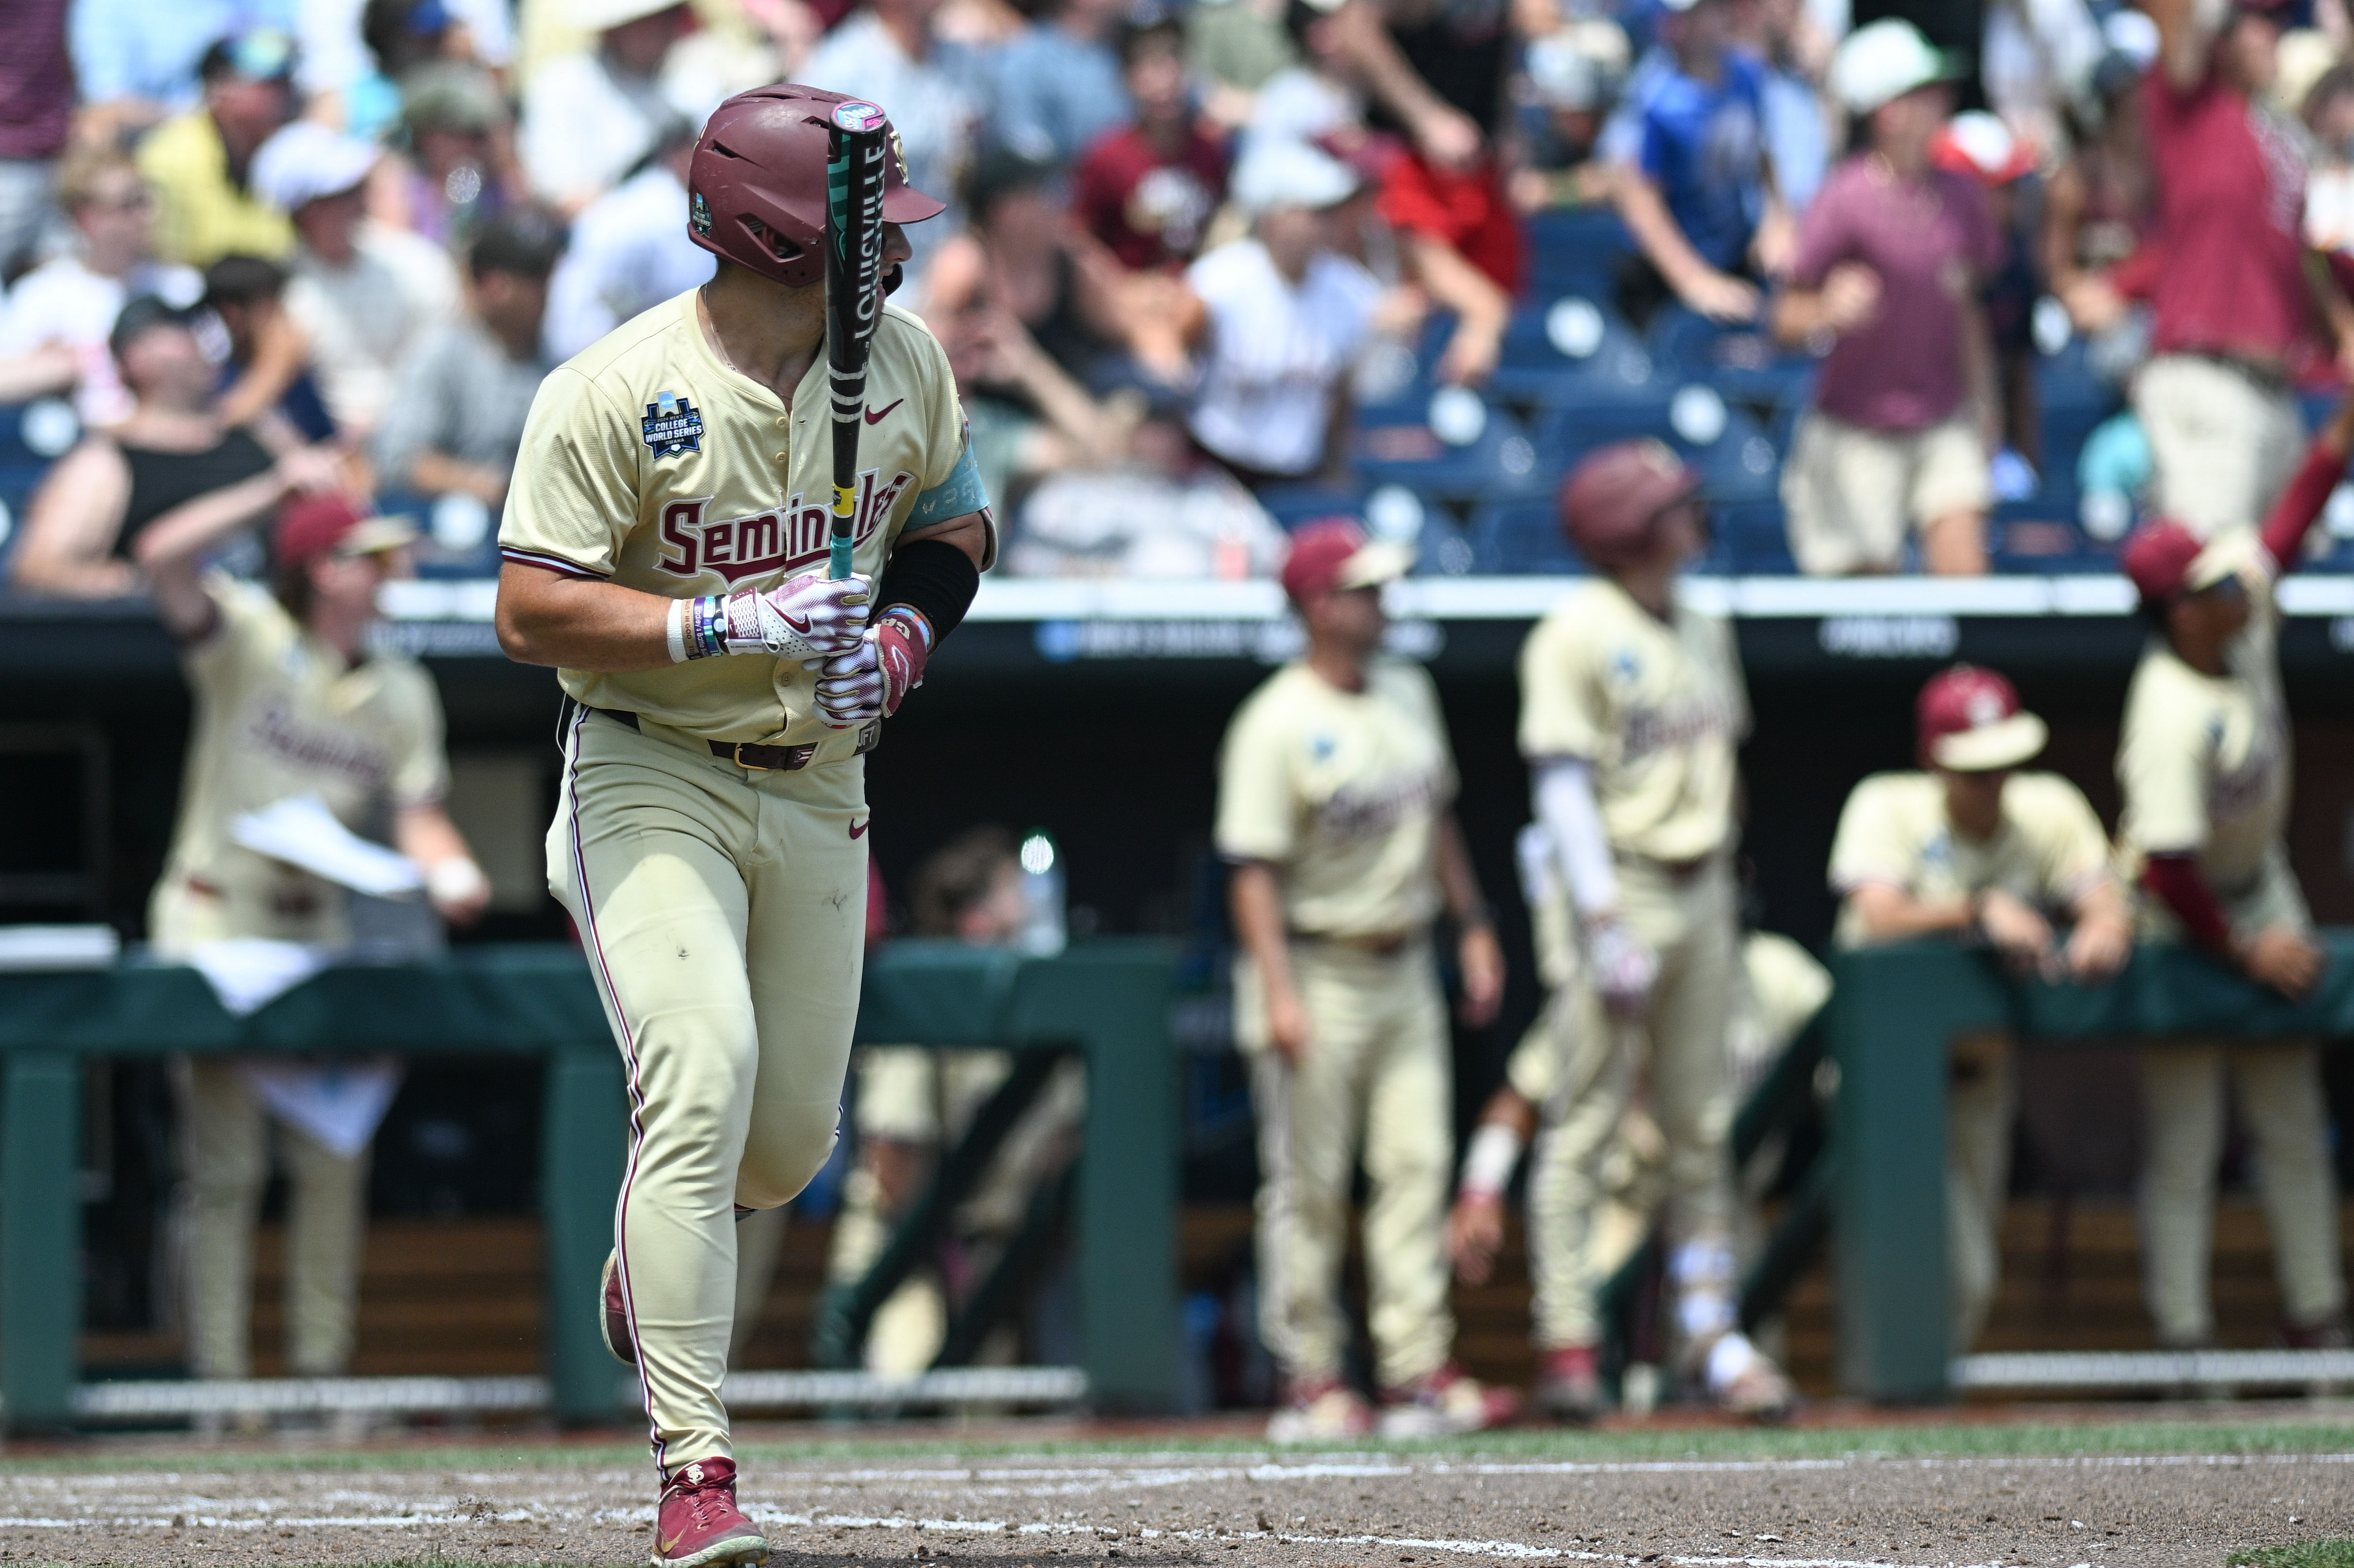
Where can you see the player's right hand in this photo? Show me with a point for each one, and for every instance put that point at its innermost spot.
(807, 617)
(1624, 967)
(1475, 1234)
(2018, 932)
(2285, 958)
(1286, 1025)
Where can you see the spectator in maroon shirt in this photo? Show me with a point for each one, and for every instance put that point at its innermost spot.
(1891, 254)
(1146, 190)
(36, 97)
(2239, 316)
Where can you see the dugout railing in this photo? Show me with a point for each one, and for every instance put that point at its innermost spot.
(1892, 1013)
(1106, 1000)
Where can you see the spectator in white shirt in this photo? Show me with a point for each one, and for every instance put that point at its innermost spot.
(630, 252)
(53, 327)
(589, 117)
(1287, 317)
(364, 293)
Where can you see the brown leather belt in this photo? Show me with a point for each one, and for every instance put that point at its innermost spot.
(1380, 944)
(744, 754)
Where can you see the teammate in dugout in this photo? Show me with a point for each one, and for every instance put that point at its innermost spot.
(666, 543)
(290, 701)
(1632, 708)
(1968, 847)
(2203, 766)
(1335, 809)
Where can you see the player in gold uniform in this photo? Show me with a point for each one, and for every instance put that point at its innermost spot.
(665, 543)
(1970, 847)
(1336, 788)
(1631, 708)
(2203, 765)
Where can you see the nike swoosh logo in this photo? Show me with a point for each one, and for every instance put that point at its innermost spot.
(874, 415)
(858, 830)
(800, 624)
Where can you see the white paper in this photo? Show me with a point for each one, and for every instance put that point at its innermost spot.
(341, 1104)
(59, 946)
(248, 972)
(301, 832)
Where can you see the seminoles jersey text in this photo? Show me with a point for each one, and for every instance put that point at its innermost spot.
(766, 543)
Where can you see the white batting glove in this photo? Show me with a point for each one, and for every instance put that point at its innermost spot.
(808, 617)
(1624, 967)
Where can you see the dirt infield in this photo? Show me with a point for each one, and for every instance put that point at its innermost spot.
(2078, 1493)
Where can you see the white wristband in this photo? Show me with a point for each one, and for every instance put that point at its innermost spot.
(677, 623)
(454, 881)
(1488, 1167)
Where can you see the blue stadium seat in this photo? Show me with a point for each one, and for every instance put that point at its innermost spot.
(22, 466)
(1292, 504)
(1576, 248)
(1751, 539)
(1500, 461)
(1519, 538)
(2044, 536)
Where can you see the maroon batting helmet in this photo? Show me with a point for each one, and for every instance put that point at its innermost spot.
(756, 190)
(1611, 500)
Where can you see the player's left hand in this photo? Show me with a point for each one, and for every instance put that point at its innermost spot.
(1482, 960)
(874, 678)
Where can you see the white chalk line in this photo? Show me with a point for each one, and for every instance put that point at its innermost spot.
(766, 1516)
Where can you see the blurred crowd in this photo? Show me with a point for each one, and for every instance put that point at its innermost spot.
(1189, 241)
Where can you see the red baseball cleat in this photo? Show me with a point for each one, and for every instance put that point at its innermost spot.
(613, 1314)
(699, 1525)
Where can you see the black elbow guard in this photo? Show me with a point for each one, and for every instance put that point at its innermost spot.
(934, 578)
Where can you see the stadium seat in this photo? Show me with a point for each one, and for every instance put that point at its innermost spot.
(1497, 459)
(1519, 538)
(1576, 250)
(1751, 539)
(1292, 504)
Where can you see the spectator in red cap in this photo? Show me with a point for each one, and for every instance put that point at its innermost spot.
(1968, 847)
(1336, 792)
(295, 709)
(2203, 767)
(2239, 318)
(1981, 148)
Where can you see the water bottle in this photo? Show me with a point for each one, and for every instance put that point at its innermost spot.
(1045, 931)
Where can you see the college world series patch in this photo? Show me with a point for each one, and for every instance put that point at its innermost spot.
(673, 424)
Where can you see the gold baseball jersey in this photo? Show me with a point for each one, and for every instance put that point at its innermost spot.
(2049, 849)
(1657, 708)
(2204, 763)
(649, 462)
(279, 714)
(1342, 792)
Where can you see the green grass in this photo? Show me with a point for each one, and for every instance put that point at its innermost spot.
(2306, 1554)
(2050, 1437)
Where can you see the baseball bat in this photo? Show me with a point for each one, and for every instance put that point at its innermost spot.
(856, 146)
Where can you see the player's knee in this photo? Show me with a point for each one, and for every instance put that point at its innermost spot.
(785, 1155)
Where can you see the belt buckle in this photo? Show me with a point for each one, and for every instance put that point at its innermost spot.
(750, 766)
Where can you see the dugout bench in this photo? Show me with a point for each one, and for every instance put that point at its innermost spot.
(1887, 1026)
(1107, 999)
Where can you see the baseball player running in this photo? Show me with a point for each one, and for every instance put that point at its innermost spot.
(1968, 847)
(2203, 766)
(1632, 706)
(665, 543)
(1335, 792)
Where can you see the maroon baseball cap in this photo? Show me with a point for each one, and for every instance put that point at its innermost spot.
(1331, 553)
(315, 525)
(2166, 559)
(1969, 721)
